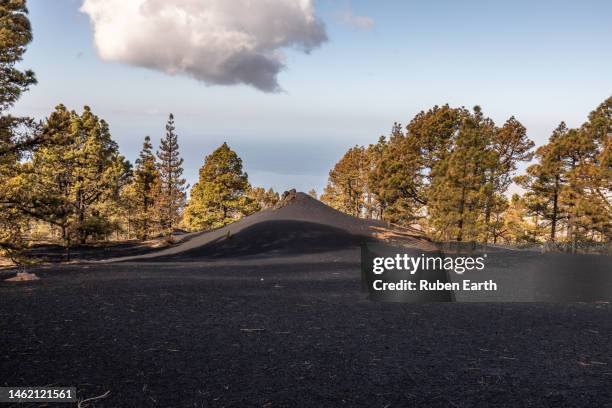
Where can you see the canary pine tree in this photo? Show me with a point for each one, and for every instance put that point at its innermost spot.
(458, 191)
(518, 226)
(70, 185)
(146, 187)
(221, 195)
(598, 172)
(545, 180)
(172, 184)
(570, 184)
(410, 161)
(16, 34)
(509, 146)
(264, 199)
(347, 185)
(374, 206)
(588, 170)
(395, 177)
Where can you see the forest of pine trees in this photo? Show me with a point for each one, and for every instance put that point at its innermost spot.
(449, 170)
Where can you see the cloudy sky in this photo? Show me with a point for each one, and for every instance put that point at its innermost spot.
(291, 84)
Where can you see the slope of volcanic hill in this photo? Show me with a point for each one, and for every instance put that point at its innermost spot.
(298, 224)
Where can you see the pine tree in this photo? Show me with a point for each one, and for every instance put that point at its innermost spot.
(263, 199)
(393, 177)
(518, 227)
(509, 145)
(146, 186)
(458, 190)
(545, 181)
(597, 172)
(172, 184)
(221, 195)
(494, 220)
(374, 205)
(126, 211)
(569, 185)
(588, 174)
(16, 35)
(347, 185)
(410, 162)
(70, 185)
(16, 133)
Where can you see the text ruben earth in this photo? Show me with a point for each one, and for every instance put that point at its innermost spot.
(424, 284)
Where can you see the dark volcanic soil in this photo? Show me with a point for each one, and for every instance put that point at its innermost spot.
(291, 332)
(56, 253)
(274, 316)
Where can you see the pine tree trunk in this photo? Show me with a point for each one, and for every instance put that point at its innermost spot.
(80, 217)
(461, 211)
(487, 222)
(145, 224)
(553, 227)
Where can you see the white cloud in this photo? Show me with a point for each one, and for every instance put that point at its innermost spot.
(216, 41)
(360, 22)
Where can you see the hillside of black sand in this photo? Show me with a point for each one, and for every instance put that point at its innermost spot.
(299, 224)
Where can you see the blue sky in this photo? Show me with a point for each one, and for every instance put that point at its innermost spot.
(541, 61)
